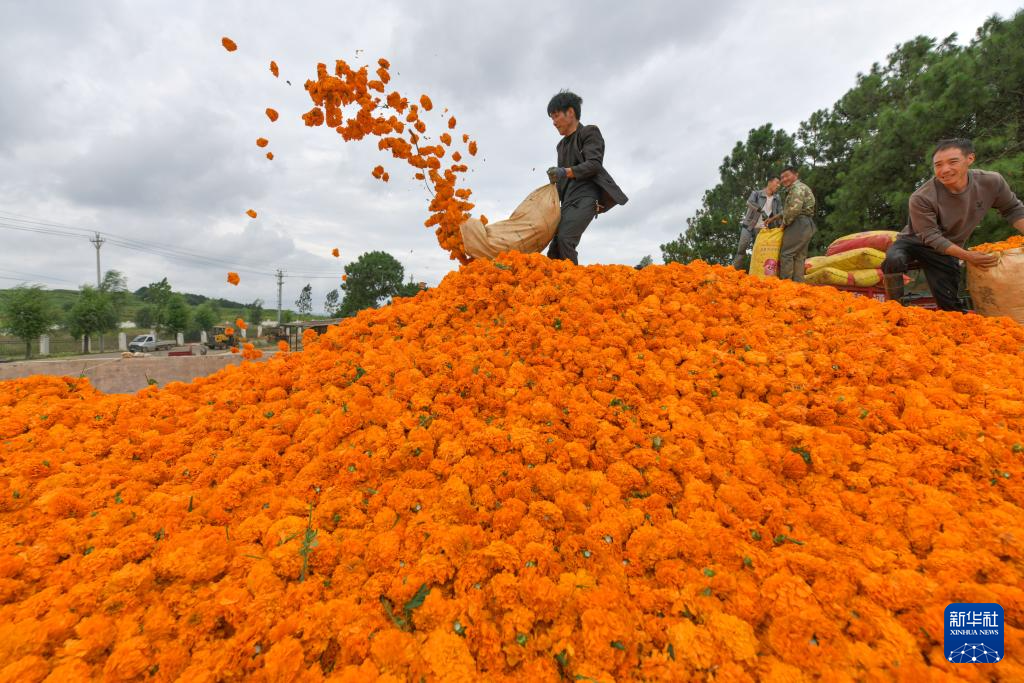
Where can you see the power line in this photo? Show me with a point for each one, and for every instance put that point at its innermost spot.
(164, 251)
(28, 224)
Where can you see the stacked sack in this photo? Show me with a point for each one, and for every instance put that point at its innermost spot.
(851, 261)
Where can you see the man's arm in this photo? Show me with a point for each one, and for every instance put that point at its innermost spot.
(795, 203)
(593, 152)
(1007, 204)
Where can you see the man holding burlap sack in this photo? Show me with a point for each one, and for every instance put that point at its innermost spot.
(584, 187)
(944, 213)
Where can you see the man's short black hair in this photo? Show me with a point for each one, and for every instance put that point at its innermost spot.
(773, 176)
(564, 101)
(962, 144)
(792, 169)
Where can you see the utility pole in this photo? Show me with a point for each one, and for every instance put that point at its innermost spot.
(98, 241)
(280, 283)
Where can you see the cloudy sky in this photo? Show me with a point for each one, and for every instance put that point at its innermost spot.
(129, 118)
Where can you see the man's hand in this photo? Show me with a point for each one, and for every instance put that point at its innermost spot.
(774, 219)
(981, 259)
(555, 174)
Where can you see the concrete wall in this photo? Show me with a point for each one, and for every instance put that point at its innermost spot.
(124, 375)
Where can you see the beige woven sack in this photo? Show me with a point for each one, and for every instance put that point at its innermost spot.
(529, 229)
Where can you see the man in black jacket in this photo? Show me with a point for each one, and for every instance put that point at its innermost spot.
(584, 187)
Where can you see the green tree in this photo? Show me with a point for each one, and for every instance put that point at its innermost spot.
(158, 295)
(177, 314)
(644, 262)
(864, 156)
(408, 289)
(26, 312)
(93, 313)
(371, 280)
(254, 313)
(712, 233)
(115, 285)
(304, 304)
(331, 302)
(205, 316)
(144, 317)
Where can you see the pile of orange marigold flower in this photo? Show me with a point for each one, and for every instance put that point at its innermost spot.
(403, 133)
(534, 470)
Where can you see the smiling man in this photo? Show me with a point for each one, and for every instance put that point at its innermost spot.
(585, 188)
(944, 213)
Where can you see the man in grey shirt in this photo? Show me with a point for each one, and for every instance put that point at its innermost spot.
(944, 213)
(761, 205)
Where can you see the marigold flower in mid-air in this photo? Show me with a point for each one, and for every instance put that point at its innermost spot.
(233, 278)
(270, 155)
(273, 68)
(251, 213)
(335, 253)
(472, 148)
(426, 103)
(262, 142)
(271, 114)
(241, 324)
(451, 122)
(228, 44)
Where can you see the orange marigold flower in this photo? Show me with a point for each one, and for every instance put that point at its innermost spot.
(383, 63)
(234, 349)
(233, 278)
(241, 324)
(446, 138)
(273, 68)
(270, 155)
(271, 114)
(472, 148)
(251, 213)
(335, 253)
(228, 44)
(344, 278)
(377, 172)
(451, 122)
(426, 103)
(229, 331)
(282, 345)
(262, 142)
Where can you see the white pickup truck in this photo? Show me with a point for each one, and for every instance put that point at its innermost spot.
(148, 342)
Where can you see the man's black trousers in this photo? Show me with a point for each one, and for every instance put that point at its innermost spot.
(941, 271)
(576, 216)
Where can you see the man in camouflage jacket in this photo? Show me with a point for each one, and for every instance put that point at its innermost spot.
(798, 220)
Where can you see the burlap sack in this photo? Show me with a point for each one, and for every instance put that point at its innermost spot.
(529, 229)
(999, 290)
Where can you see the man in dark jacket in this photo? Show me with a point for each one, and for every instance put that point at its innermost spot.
(585, 189)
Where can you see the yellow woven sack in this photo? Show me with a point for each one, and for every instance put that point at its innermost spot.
(867, 277)
(764, 262)
(812, 263)
(855, 259)
(826, 276)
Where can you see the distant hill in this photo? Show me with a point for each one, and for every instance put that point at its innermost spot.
(64, 299)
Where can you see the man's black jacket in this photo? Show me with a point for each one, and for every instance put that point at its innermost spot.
(583, 151)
